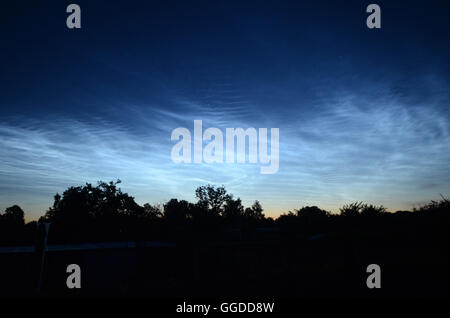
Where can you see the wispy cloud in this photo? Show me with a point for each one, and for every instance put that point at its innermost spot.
(384, 150)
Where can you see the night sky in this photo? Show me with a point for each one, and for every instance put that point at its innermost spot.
(363, 114)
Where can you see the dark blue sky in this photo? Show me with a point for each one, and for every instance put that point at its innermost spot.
(363, 113)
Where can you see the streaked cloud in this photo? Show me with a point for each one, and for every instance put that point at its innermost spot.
(387, 153)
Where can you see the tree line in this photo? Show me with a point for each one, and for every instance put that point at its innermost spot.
(103, 213)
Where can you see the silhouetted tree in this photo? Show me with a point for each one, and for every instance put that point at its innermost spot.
(12, 226)
(372, 210)
(352, 210)
(311, 212)
(105, 201)
(175, 210)
(212, 198)
(359, 208)
(435, 207)
(233, 210)
(14, 215)
(255, 212)
(97, 212)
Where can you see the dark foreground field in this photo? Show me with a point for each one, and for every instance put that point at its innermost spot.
(323, 267)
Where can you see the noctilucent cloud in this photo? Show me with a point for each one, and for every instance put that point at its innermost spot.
(363, 114)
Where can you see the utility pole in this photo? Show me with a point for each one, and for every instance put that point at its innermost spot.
(42, 249)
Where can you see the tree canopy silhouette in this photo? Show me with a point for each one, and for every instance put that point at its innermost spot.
(83, 203)
(13, 215)
(105, 212)
(212, 198)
